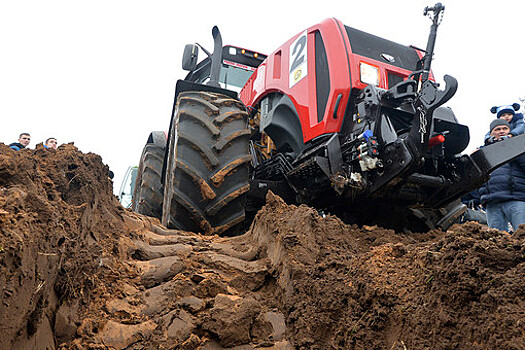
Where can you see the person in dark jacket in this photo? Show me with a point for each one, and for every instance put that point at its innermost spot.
(23, 142)
(508, 113)
(504, 194)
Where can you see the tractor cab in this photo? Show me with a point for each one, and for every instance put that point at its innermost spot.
(237, 66)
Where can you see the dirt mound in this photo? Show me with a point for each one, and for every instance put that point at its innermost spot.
(78, 271)
(59, 232)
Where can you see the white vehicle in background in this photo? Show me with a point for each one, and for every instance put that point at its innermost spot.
(127, 186)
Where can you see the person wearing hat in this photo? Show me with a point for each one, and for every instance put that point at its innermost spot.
(503, 195)
(508, 113)
(499, 130)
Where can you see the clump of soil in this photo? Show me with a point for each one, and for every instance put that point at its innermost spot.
(78, 271)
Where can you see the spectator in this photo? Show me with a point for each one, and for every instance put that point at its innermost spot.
(51, 143)
(23, 142)
(504, 194)
(507, 112)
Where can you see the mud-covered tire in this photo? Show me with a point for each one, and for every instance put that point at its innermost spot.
(207, 172)
(148, 191)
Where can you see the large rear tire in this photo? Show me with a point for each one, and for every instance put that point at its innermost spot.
(148, 192)
(206, 177)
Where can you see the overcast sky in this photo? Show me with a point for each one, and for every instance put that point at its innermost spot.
(102, 74)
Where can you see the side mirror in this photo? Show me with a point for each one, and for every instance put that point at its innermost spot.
(190, 56)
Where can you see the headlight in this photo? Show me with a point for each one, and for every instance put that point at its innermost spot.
(369, 74)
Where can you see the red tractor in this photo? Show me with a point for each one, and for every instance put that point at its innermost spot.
(336, 118)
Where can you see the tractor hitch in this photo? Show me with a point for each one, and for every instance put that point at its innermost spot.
(474, 169)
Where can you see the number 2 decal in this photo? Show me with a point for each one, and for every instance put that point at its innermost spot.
(298, 52)
(298, 59)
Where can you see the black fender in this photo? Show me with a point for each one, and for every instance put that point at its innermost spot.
(280, 120)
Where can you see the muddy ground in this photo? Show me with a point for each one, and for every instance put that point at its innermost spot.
(77, 271)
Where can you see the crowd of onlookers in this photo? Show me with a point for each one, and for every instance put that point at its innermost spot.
(502, 197)
(25, 138)
(51, 143)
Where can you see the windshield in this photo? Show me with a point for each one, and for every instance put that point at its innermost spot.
(233, 78)
(127, 186)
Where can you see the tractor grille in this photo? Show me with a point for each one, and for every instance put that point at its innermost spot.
(307, 170)
(273, 169)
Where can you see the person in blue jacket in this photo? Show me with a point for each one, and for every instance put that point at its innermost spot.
(503, 195)
(508, 113)
(23, 142)
(51, 143)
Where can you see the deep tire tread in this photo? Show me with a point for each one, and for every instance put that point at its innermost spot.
(148, 192)
(201, 119)
(226, 199)
(225, 141)
(219, 176)
(201, 148)
(207, 167)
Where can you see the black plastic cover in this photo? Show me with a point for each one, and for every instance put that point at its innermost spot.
(374, 47)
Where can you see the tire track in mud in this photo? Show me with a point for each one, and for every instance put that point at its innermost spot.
(195, 292)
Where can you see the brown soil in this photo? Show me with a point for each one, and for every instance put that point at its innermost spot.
(77, 271)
